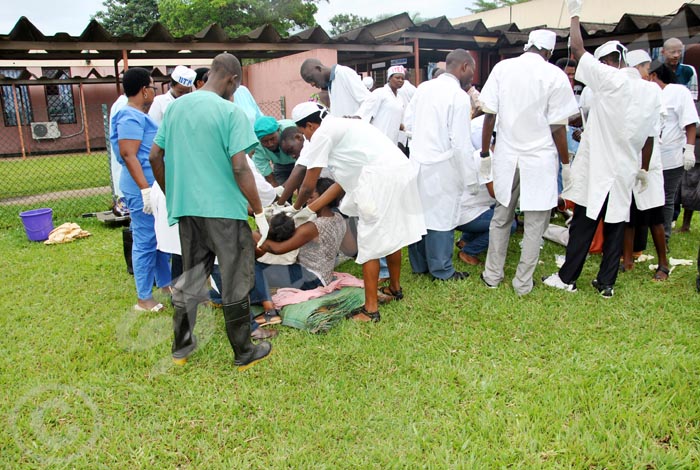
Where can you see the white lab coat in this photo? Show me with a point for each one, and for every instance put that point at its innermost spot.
(622, 116)
(379, 183)
(680, 112)
(113, 162)
(441, 149)
(653, 196)
(473, 205)
(384, 110)
(346, 91)
(406, 92)
(529, 95)
(159, 105)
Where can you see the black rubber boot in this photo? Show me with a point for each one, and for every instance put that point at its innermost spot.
(184, 342)
(246, 354)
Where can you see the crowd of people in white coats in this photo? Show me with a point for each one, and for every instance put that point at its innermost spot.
(364, 174)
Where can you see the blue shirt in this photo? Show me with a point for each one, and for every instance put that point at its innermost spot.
(684, 73)
(243, 98)
(131, 124)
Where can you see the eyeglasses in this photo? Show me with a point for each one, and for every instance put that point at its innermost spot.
(155, 89)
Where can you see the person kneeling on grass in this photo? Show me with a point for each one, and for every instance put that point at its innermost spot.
(313, 247)
(380, 189)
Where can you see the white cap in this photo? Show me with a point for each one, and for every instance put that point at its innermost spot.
(368, 82)
(637, 57)
(306, 109)
(395, 69)
(610, 47)
(541, 39)
(183, 75)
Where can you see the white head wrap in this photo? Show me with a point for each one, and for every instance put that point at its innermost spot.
(368, 82)
(610, 47)
(306, 109)
(183, 75)
(637, 57)
(541, 39)
(396, 69)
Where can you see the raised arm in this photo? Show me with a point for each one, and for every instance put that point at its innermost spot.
(576, 39)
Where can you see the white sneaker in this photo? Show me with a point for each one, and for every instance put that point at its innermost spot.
(555, 281)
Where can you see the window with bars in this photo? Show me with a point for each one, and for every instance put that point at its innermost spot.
(60, 105)
(7, 100)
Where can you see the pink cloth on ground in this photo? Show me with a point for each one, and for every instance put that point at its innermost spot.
(289, 296)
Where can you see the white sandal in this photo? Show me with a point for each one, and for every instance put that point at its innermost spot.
(156, 308)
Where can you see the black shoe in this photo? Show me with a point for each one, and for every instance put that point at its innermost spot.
(481, 276)
(457, 276)
(604, 291)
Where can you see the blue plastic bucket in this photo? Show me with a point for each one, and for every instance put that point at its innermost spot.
(38, 223)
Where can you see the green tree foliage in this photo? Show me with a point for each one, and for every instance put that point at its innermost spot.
(486, 5)
(344, 22)
(128, 16)
(237, 17)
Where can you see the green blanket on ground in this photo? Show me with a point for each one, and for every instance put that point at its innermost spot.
(323, 313)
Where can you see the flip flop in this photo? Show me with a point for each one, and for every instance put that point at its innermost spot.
(155, 308)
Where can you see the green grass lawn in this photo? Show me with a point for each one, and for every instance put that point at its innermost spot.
(38, 175)
(63, 209)
(454, 376)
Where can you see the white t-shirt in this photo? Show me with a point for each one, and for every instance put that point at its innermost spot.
(680, 112)
(160, 104)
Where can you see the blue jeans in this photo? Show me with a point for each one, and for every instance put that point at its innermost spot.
(149, 263)
(476, 233)
(275, 275)
(433, 254)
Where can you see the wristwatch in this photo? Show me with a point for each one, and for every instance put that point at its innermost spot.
(485, 154)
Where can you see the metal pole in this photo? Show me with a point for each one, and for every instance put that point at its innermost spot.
(85, 120)
(116, 75)
(416, 55)
(19, 121)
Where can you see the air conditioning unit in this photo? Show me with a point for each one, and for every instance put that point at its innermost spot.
(45, 130)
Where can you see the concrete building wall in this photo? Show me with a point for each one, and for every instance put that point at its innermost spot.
(554, 14)
(270, 80)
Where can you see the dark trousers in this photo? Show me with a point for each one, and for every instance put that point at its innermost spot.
(175, 266)
(581, 234)
(202, 240)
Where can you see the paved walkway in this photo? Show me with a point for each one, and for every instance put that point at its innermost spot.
(17, 201)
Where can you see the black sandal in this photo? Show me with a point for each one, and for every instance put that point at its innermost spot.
(396, 295)
(374, 317)
(662, 269)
